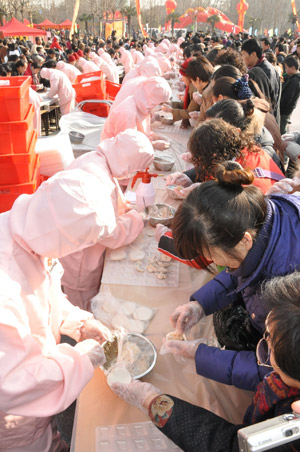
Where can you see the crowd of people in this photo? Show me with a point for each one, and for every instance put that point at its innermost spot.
(239, 219)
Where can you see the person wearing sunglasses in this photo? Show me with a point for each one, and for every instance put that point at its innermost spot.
(196, 429)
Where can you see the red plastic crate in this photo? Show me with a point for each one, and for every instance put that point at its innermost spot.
(90, 89)
(15, 136)
(18, 168)
(101, 110)
(14, 98)
(112, 89)
(9, 193)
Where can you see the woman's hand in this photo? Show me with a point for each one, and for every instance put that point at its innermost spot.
(136, 393)
(94, 329)
(186, 316)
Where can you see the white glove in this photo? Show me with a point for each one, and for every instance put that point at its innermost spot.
(187, 157)
(160, 145)
(136, 393)
(160, 230)
(184, 192)
(194, 114)
(197, 97)
(292, 150)
(290, 136)
(178, 179)
(93, 350)
(167, 108)
(296, 407)
(181, 350)
(94, 329)
(285, 186)
(186, 316)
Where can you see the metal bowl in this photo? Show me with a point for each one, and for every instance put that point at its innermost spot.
(157, 214)
(164, 163)
(148, 348)
(76, 137)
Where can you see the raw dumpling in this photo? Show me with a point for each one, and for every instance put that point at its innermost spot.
(139, 267)
(119, 320)
(175, 336)
(164, 258)
(128, 307)
(161, 275)
(136, 326)
(136, 255)
(118, 375)
(111, 306)
(143, 313)
(118, 254)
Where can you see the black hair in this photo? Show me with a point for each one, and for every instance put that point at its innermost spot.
(50, 64)
(291, 61)
(227, 70)
(200, 67)
(233, 112)
(218, 213)
(252, 45)
(234, 58)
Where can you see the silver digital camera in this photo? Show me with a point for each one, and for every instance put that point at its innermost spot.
(269, 434)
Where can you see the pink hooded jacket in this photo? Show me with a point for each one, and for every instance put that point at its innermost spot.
(108, 70)
(60, 85)
(137, 57)
(126, 59)
(87, 66)
(106, 57)
(40, 377)
(134, 112)
(127, 90)
(71, 71)
(120, 157)
(164, 63)
(149, 67)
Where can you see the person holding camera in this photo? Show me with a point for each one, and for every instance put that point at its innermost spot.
(196, 429)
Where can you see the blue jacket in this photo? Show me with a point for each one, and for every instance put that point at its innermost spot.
(275, 252)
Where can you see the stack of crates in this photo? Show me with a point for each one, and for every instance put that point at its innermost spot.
(92, 86)
(19, 163)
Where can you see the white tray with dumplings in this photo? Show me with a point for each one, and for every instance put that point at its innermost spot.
(141, 264)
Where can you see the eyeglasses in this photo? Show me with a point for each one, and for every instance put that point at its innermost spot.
(263, 351)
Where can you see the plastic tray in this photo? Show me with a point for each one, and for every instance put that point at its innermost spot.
(15, 136)
(18, 168)
(14, 98)
(112, 89)
(101, 110)
(9, 193)
(90, 89)
(137, 437)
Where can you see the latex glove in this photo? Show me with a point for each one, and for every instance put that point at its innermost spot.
(187, 157)
(184, 192)
(292, 150)
(197, 97)
(94, 329)
(166, 108)
(178, 179)
(290, 136)
(296, 407)
(186, 316)
(181, 350)
(160, 230)
(160, 145)
(194, 114)
(285, 186)
(93, 350)
(136, 393)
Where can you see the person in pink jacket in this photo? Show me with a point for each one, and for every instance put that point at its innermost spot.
(35, 99)
(87, 66)
(137, 56)
(108, 70)
(164, 63)
(135, 111)
(106, 57)
(60, 85)
(39, 376)
(71, 71)
(126, 59)
(149, 67)
(115, 158)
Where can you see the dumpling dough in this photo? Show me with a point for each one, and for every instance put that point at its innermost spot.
(164, 258)
(119, 320)
(143, 313)
(136, 255)
(118, 375)
(118, 254)
(111, 306)
(128, 307)
(175, 336)
(161, 275)
(136, 326)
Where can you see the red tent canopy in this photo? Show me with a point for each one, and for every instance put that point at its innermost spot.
(47, 24)
(16, 28)
(26, 22)
(67, 24)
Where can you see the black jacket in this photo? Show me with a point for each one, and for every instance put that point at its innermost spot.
(290, 94)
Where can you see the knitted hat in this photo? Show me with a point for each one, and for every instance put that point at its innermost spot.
(184, 65)
(242, 89)
(71, 58)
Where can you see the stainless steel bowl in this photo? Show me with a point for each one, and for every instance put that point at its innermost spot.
(148, 348)
(164, 163)
(157, 216)
(76, 137)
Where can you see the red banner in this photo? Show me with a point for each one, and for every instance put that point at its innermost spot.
(139, 18)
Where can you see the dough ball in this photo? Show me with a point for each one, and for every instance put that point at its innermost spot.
(128, 307)
(136, 255)
(117, 255)
(143, 313)
(136, 326)
(118, 375)
(175, 336)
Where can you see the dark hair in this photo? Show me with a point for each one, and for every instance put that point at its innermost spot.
(227, 70)
(218, 213)
(199, 67)
(212, 56)
(291, 61)
(36, 65)
(282, 296)
(50, 64)
(233, 112)
(234, 58)
(86, 50)
(187, 52)
(266, 41)
(280, 47)
(224, 86)
(252, 45)
(215, 142)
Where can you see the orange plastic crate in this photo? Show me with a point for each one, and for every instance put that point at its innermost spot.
(90, 89)
(14, 98)
(18, 168)
(112, 89)
(9, 193)
(15, 136)
(101, 110)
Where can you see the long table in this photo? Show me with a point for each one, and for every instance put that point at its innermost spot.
(99, 406)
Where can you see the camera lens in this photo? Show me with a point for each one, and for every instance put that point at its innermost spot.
(288, 433)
